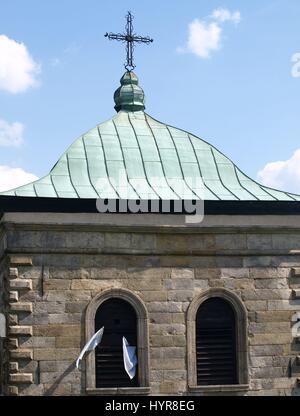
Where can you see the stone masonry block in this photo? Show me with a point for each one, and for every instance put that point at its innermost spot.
(178, 283)
(182, 273)
(20, 284)
(117, 240)
(57, 284)
(59, 354)
(56, 330)
(270, 339)
(264, 350)
(168, 387)
(165, 307)
(273, 316)
(21, 354)
(153, 295)
(75, 307)
(207, 273)
(13, 391)
(21, 378)
(161, 318)
(72, 377)
(13, 296)
(181, 295)
(237, 273)
(266, 294)
(167, 329)
(21, 260)
(13, 319)
(271, 284)
(67, 342)
(13, 343)
(63, 389)
(13, 367)
(21, 307)
(20, 330)
(258, 305)
(168, 364)
(296, 271)
(13, 273)
(143, 241)
(292, 305)
(55, 366)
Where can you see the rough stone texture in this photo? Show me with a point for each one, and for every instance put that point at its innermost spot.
(19, 354)
(296, 293)
(21, 378)
(45, 296)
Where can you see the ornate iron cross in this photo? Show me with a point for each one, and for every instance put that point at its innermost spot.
(129, 37)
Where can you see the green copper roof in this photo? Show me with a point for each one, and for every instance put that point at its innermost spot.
(153, 160)
(129, 96)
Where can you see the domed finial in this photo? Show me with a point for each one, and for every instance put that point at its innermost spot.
(129, 97)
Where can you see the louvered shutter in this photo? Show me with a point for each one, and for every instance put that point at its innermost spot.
(216, 343)
(119, 319)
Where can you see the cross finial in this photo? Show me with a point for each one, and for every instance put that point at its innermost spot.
(129, 37)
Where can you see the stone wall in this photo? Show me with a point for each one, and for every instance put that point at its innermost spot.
(3, 342)
(54, 273)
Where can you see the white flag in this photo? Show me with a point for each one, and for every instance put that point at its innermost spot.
(130, 359)
(90, 345)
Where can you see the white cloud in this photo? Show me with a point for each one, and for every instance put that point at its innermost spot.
(223, 15)
(13, 177)
(18, 70)
(11, 134)
(296, 66)
(204, 36)
(284, 175)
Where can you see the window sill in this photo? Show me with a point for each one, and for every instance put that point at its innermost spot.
(118, 391)
(219, 388)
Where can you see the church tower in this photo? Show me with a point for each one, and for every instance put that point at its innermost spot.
(152, 234)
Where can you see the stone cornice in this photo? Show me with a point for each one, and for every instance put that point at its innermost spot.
(153, 229)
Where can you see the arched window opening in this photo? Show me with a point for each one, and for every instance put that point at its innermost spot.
(216, 343)
(119, 320)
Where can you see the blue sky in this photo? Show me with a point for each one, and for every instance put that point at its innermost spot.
(234, 84)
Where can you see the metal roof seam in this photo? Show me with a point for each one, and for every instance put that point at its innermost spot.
(226, 187)
(162, 166)
(51, 179)
(87, 166)
(291, 195)
(183, 177)
(70, 177)
(143, 162)
(199, 167)
(105, 164)
(238, 179)
(124, 162)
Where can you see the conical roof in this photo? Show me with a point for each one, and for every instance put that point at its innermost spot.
(134, 156)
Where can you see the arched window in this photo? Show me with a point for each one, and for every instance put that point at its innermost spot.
(123, 314)
(119, 320)
(217, 343)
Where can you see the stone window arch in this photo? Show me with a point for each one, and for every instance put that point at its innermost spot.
(124, 296)
(240, 338)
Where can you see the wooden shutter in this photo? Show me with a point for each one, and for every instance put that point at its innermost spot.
(216, 343)
(119, 319)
